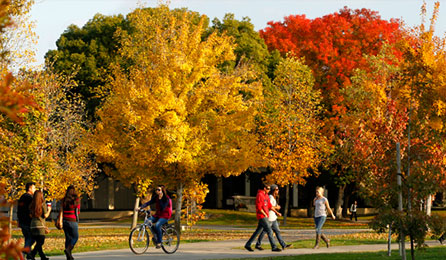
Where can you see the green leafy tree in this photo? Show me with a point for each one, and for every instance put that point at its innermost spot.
(88, 50)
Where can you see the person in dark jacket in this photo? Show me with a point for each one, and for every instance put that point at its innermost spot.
(263, 206)
(353, 209)
(71, 206)
(163, 205)
(24, 217)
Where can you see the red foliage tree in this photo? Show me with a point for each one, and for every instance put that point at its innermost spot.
(334, 46)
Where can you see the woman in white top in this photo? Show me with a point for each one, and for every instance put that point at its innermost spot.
(321, 207)
(273, 213)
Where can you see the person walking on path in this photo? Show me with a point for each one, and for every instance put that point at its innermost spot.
(263, 206)
(39, 212)
(273, 213)
(442, 238)
(320, 215)
(24, 217)
(163, 213)
(353, 210)
(70, 206)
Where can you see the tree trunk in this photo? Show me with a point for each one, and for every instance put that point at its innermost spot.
(339, 202)
(135, 213)
(178, 207)
(11, 212)
(310, 208)
(429, 205)
(443, 198)
(346, 205)
(287, 203)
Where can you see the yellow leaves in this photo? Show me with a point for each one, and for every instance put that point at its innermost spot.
(289, 130)
(173, 111)
(436, 123)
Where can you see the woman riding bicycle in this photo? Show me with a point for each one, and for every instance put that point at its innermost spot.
(163, 212)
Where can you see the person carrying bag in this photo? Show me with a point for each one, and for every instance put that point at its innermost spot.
(39, 212)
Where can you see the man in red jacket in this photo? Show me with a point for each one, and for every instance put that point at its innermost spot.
(263, 205)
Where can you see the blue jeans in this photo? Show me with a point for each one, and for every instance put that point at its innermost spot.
(319, 222)
(29, 240)
(71, 230)
(159, 222)
(276, 230)
(262, 226)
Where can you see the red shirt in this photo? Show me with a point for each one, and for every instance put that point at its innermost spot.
(262, 202)
(71, 212)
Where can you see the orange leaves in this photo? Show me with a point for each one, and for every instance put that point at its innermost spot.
(8, 249)
(12, 103)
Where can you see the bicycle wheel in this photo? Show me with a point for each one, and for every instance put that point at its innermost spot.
(139, 240)
(171, 239)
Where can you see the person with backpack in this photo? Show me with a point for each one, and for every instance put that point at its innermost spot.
(24, 216)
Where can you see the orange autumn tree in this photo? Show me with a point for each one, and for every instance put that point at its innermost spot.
(402, 100)
(13, 102)
(423, 92)
(12, 106)
(289, 129)
(172, 115)
(333, 47)
(375, 121)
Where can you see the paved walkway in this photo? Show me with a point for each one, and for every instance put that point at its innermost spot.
(222, 250)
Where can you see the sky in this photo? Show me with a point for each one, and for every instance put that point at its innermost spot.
(52, 17)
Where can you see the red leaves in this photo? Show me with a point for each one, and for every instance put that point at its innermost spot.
(13, 103)
(334, 45)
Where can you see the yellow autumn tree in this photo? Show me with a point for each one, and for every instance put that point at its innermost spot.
(63, 157)
(47, 146)
(422, 90)
(289, 129)
(172, 114)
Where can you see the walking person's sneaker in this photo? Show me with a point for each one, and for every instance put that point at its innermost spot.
(249, 248)
(259, 248)
(276, 249)
(286, 246)
(158, 246)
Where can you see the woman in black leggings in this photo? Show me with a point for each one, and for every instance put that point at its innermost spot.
(39, 212)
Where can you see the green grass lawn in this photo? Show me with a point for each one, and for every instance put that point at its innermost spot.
(433, 253)
(245, 219)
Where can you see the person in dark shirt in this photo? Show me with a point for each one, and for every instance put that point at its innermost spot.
(24, 217)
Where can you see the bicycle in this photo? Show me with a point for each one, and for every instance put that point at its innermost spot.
(139, 236)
